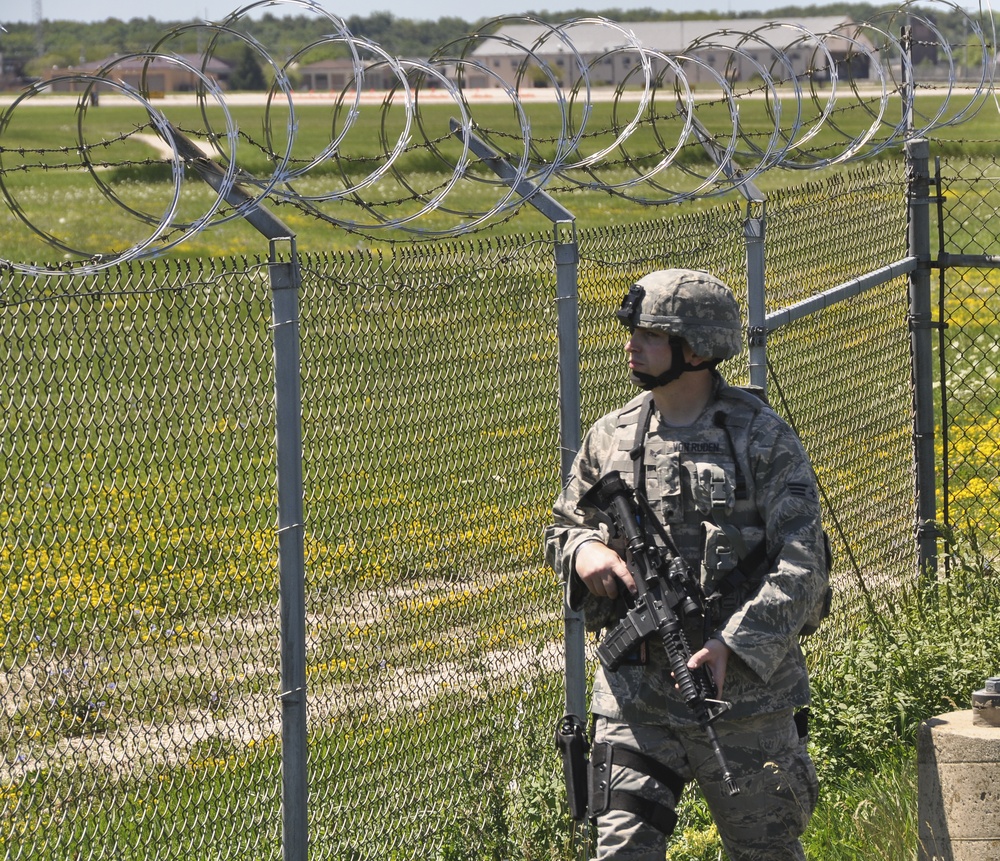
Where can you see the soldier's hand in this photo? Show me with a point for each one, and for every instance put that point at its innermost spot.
(602, 570)
(715, 654)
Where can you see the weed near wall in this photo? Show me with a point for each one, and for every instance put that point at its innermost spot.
(929, 650)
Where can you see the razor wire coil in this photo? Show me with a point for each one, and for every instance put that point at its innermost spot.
(657, 94)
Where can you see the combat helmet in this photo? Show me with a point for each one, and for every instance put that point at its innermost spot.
(689, 305)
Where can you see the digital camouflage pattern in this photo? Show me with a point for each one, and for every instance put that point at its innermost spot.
(737, 476)
(734, 491)
(689, 303)
(768, 492)
(777, 780)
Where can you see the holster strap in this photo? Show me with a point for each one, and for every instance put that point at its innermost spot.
(654, 814)
(657, 815)
(628, 758)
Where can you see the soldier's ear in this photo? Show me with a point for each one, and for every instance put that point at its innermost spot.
(692, 358)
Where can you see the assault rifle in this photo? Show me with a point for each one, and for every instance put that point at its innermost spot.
(663, 585)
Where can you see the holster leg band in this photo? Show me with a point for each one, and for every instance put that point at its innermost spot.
(603, 798)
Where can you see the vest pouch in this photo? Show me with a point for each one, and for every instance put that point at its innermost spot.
(722, 549)
(664, 486)
(713, 488)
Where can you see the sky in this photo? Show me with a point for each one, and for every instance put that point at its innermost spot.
(216, 10)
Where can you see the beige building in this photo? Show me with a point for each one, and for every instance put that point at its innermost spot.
(738, 49)
(154, 75)
(325, 76)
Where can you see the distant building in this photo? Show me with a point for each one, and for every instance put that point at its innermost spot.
(325, 76)
(713, 48)
(152, 75)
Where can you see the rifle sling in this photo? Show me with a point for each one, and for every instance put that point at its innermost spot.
(638, 455)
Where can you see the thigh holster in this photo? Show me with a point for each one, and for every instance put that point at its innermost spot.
(603, 798)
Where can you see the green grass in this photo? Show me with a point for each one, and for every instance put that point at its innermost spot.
(972, 336)
(129, 819)
(868, 816)
(139, 544)
(71, 209)
(489, 811)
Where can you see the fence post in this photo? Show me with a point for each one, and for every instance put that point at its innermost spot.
(568, 328)
(285, 283)
(753, 232)
(922, 380)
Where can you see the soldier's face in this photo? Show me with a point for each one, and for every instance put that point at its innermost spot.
(649, 352)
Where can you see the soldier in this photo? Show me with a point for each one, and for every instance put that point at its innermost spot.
(736, 498)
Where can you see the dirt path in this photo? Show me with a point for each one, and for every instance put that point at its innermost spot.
(163, 148)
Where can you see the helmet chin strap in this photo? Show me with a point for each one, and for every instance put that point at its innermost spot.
(678, 366)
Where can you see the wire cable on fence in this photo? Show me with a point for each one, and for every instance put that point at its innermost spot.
(828, 98)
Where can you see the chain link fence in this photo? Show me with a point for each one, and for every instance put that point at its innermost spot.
(433, 627)
(969, 349)
(140, 674)
(139, 592)
(841, 376)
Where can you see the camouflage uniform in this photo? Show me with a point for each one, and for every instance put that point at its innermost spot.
(736, 477)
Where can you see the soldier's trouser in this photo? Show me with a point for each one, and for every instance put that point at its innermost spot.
(777, 780)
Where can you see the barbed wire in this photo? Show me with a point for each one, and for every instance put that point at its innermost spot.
(828, 97)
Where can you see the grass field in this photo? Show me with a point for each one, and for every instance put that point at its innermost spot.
(121, 193)
(139, 663)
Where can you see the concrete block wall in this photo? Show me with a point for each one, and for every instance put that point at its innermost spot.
(958, 774)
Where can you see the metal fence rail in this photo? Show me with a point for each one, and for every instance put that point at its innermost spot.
(141, 672)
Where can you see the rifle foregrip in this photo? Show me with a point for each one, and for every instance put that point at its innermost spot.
(694, 686)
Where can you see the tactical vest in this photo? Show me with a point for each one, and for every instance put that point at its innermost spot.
(699, 482)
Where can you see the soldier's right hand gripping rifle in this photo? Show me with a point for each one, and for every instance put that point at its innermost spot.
(663, 584)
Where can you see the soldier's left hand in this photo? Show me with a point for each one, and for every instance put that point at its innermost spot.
(715, 654)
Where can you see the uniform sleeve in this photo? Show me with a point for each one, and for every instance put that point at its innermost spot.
(571, 526)
(765, 627)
